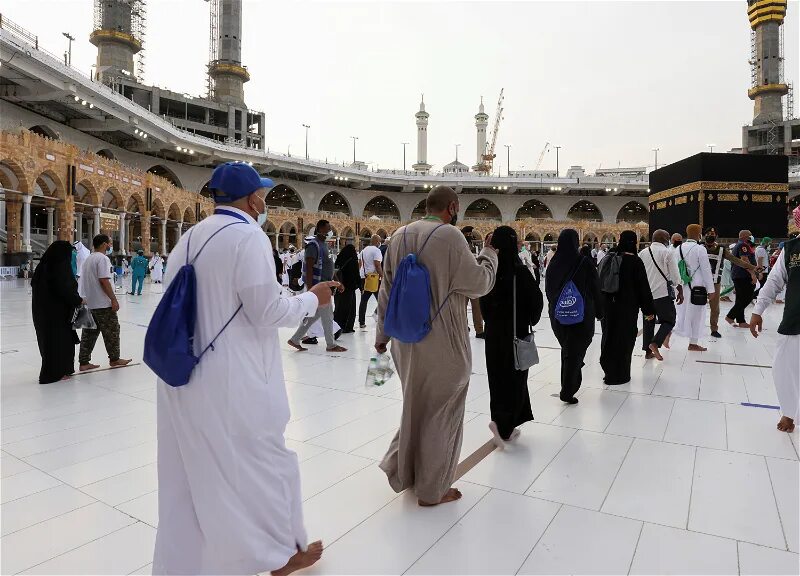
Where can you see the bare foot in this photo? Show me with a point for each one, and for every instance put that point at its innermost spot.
(119, 363)
(85, 367)
(450, 496)
(336, 349)
(67, 377)
(786, 424)
(696, 348)
(744, 325)
(497, 440)
(730, 321)
(778, 301)
(514, 434)
(655, 352)
(296, 347)
(302, 559)
(666, 341)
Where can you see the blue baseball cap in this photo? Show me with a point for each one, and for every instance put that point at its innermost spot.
(234, 180)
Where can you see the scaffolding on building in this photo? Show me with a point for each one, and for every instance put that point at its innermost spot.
(137, 30)
(790, 102)
(753, 60)
(213, 46)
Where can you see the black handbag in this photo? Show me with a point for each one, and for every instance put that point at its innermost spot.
(699, 295)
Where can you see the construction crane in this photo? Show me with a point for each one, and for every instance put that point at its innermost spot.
(489, 155)
(541, 156)
(213, 48)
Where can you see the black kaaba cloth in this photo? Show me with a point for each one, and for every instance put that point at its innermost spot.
(727, 191)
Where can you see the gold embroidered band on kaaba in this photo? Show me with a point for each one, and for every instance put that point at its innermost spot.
(706, 185)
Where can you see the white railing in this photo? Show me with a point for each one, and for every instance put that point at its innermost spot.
(6, 271)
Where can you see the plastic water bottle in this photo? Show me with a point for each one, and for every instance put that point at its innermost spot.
(372, 372)
(384, 369)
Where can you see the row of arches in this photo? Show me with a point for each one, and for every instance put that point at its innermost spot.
(384, 208)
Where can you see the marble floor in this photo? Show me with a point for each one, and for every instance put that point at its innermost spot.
(674, 473)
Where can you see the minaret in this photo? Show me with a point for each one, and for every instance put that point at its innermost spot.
(766, 18)
(422, 139)
(481, 122)
(225, 68)
(118, 28)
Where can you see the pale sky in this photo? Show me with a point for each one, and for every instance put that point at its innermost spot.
(607, 81)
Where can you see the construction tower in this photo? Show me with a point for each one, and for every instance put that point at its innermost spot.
(226, 75)
(119, 27)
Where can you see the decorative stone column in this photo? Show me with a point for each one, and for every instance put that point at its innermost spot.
(78, 226)
(13, 228)
(26, 223)
(122, 234)
(97, 210)
(163, 236)
(65, 220)
(2, 214)
(179, 233)
(50, 210)
(144, 225)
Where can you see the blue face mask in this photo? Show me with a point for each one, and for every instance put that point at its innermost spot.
(110, 251)
(262, 219)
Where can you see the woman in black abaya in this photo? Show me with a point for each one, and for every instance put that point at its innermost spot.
(55, 297)
(510, 403)
(344, 312)
(568, 264)
(622, 312)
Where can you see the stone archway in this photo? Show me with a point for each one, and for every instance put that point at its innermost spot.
(134, 212)
(585, 210)
(283, 196)
(106, 153)
(287, 235)
(633, 212)
(166, 173)
(381, 207)
(534, 209)
(419, 211)
(347, 236)
(483, 209)
(44, 130)
(335, 203)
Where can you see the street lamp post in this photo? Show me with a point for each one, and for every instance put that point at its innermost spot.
(508, 159)
(711, 147)
(68, 59)
(656, 151)
(306, 126)
(354, 147)
(457, 146)
(557, 149)
(404, 154)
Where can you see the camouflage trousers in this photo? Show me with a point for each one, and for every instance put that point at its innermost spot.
(108, 325)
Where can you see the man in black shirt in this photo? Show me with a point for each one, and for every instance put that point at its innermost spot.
(743, 280)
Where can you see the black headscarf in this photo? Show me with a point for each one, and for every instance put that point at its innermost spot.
(56, 260)
(563, 263)
(347, 253)
(504, 239)
(585, 251)
(627, 242)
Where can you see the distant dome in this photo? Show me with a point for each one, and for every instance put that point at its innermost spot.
(456, 166)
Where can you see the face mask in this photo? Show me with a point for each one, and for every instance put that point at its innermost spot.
(711, 239)
(676, 243)
(330, 234)
(109, 251)
(261, 219)
(752, 240)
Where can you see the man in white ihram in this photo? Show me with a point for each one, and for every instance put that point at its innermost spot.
(229, 490)
(692, 317)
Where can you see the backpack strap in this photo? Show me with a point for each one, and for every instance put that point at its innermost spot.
(571, 276)
(189, 240)
(211, 344)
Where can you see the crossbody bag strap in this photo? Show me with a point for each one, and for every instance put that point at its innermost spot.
(656, 264)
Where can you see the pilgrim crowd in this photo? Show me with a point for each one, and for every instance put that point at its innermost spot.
(229, 488)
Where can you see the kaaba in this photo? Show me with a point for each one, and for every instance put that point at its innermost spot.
(730, 192)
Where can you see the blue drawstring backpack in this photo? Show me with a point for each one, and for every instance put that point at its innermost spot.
(169, 343)
(408, 314)
(569, 306)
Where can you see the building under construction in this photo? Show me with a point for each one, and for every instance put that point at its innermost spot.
(119, 33)
(775, 129)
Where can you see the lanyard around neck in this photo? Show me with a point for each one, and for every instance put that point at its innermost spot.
(231, 213)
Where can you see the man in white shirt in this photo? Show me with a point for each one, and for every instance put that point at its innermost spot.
(371, 259)
(82, 255)
(662, 274)
(96, 289)
(601, 253)
(692, 317)
(229, 489)
(786, 366)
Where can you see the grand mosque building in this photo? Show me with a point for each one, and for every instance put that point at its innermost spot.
(82, 154)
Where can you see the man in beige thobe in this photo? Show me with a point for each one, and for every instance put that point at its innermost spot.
(435, 371)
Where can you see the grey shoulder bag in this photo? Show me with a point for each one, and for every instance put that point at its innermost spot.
(670, 285)
(525, 352)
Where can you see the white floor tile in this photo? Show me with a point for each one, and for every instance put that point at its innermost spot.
(684, 385)
(144, 570)
(653, 484)
(144, 508)
(25, 484)
(325, 470)
(720, 388)
(584, 542)
(478, 545)
(42, 506)
(125, 486)
(697, 423)
(752, 430)
(390, 541)
(643, 417)
(362, 431)
(32, 546)
(334, 512)
(118, 553)
(785, 482)
(758, 560)
(107, 466)
(317, 424)
(732, 497)
(515, 468)
(761, 391)
(594, 412)
(663, 550)
(583, 471)
(304, 450)
(9, 465)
